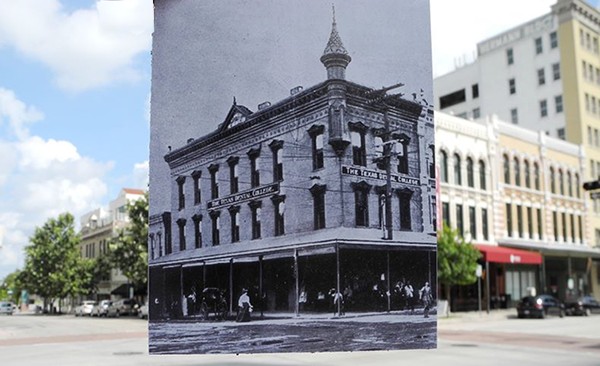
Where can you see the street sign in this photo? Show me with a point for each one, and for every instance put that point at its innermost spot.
(479, 270)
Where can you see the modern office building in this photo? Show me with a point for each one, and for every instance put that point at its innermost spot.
(98, 228)
(291, 199)
(543, 75)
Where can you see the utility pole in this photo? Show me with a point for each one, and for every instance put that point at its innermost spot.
(377, 98)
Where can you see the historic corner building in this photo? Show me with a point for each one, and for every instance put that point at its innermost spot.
(517, 195)
(289, 201)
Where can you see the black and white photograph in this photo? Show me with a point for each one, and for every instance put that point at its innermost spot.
(292, 194)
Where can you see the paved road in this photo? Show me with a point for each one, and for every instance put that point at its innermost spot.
(464, 340)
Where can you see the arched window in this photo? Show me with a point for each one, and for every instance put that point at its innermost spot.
(577, 191)
(527, 174)
(457, 175)
(536, 176)
(517, 169)
(506, 165)
(443, 166)
(561, 182)
(552, 182)
(470, 174)
(569, 184)
(482, 183)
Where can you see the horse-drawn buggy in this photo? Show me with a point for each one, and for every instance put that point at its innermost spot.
(213, 303)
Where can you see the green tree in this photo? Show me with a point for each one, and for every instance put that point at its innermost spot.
(10, 287)
(457, 260)
(53, 267)
(129, 249)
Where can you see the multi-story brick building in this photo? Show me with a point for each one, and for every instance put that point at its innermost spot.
(291, 199)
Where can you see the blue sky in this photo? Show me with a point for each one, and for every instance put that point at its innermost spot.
(74, 99)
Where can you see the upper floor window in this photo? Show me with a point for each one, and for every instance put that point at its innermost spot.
(527, 174)
(470, 173)
(517, 169)
(541, 76)
(214, 180)
(538, 46)
(234, 213)
(506, 165)
(277, 149)
(318, 193)
(512, 86)
(181, 226)
(233, 174)
(553, 40)
(316, 135)
(196, 176)
(510, 56)
(561, 182)
(543, 108)
(569, 184)
(405, 211)
(361, 203)
(359, 152)
(475, 91)
(403, 154)
(279, 208)
(443, 166)
(552, 181)
(457, 171)
(181, 192)
(482, 183)
(514, 116)
(577, 189)
(254, 156)
(255, 207)
(536, 176)
(558, 102)
(556, 71)
(216, 226)
(197, 230)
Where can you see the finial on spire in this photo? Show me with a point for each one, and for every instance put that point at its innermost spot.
(234, 102)
(335, 56)
(333, 8)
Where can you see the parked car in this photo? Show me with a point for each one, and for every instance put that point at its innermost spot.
(540, 307)
(6, 308)
(113, 310)
(585, 305)
(126, 306)
(143, 311)
(85, 308)
(101, 309)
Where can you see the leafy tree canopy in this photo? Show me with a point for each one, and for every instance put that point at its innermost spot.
(457, 259)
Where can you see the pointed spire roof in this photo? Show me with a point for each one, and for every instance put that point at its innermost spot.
(334, 45)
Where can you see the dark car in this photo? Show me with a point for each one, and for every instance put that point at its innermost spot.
(540, 307)
(585, 305)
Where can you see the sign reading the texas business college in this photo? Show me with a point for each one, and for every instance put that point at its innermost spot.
(248, 195)
(362, 172)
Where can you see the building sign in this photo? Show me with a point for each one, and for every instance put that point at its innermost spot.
(248, 195)
(362, 172)
(515, 258)
(538, 25)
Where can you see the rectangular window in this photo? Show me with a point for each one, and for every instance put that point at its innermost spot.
(233, 175)
(319, 209)
(540, 224)
(476, 113)
(472, 222)
(593, 105)
(181, 225)
(572, 228)
(543, 108)
(405, 212)
(510, 56)
(235, 224)
(197, 231)
(589, 133)
(595, 44)
(512, 87)
(530, 222)
(580, 227)
(446, 213)
(508, 219)
(596, 139)
(558, 102)
(277, 150)
(520, 220)
(587, 102)
(555, 225)
(279, 217)
(597, 76)
(459, 220)
(514, 116)
(564, 226)
(403, 155)
(216, 224)
(591, 72)
(361, 207)
(541, 76)
(254, 171)
(584, 69)
(359, 152)
(453, 98)
(256, 230)
(317, 151)
(214, 181)
(553, 40)
(560, 133)
(556, 71)
(475, 91)
(588, 41)
(484, 223)
(197, 187)
(538, 46)
(181, 192)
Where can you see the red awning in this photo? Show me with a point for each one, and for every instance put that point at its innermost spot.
(492, 253)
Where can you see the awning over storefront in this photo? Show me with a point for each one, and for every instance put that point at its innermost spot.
(492, 253)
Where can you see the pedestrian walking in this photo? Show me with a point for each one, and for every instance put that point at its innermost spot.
(409, 293)
(244, 307)
(426, 298)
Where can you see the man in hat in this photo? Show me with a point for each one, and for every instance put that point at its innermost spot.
(244, 307)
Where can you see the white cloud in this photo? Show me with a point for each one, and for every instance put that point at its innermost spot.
(16, 114)
(40, 179)
(86, 48)
(140, 174)
(458, 25)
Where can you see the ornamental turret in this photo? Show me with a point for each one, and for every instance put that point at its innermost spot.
(335, 57)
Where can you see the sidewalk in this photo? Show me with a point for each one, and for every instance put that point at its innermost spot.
(476, 316)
